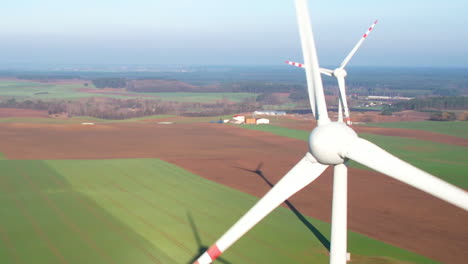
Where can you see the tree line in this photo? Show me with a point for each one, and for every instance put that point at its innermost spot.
(113, 108)
(110, 82)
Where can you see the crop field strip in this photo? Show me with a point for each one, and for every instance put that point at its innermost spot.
(120, 205)
(78, 120)
(64, 227)
(206, 213)
(104, 220)
(178, 219)
(145, 250)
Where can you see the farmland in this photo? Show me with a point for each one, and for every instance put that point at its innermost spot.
(146, 211)
(195, 147)
(77, 120)
(35, 90)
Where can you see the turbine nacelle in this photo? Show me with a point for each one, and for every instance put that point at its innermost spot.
(330, 143)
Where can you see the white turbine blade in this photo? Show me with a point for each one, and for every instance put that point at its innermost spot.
(340, 110)
(353, 51)
(309, 77)
(314, 80)
(302, 174)
(326, 71)
(374, 157)
(338, 250)
(344, 101)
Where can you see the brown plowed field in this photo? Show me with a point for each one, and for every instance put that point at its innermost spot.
(379, 207)
(15, 112)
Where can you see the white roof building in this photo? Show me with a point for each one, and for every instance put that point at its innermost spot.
(270, 113)
(260, 121)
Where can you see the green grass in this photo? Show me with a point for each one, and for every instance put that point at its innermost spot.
(28, 90)
(199, 97)
(140, 211)
(2, 156)
(135, 119)
(76, 120)
(445, 161)
(452, 128)
(280, 131)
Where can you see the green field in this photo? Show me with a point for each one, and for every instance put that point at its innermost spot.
(30, 90)
(77, 119)
(147, 211)
(446, 161)
(46, 91)
(198, 97)
(451, 128)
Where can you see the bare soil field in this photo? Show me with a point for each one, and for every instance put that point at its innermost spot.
(379, 207)
(15, 112)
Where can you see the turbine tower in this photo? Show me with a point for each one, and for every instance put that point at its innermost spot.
(340, 74)
(331, 144)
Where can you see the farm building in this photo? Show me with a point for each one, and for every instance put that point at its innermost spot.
(239, 118)
(251, 121)
(261, 121)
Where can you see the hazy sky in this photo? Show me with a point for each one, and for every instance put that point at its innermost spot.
(409, 33)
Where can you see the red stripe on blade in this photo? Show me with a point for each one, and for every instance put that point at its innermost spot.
(214, 252)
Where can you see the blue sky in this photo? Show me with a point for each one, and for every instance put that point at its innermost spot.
(410, 33)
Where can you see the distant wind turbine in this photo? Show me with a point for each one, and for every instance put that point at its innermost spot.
(340, 74)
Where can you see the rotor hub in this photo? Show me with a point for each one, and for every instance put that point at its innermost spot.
(339, 72)
(329, 143)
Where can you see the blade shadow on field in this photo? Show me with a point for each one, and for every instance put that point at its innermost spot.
(201, 248)
(323, 240)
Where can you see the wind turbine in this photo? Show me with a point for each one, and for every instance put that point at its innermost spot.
(340, 74)
(331, 144)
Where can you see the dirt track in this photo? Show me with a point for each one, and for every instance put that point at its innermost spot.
(379, 207)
